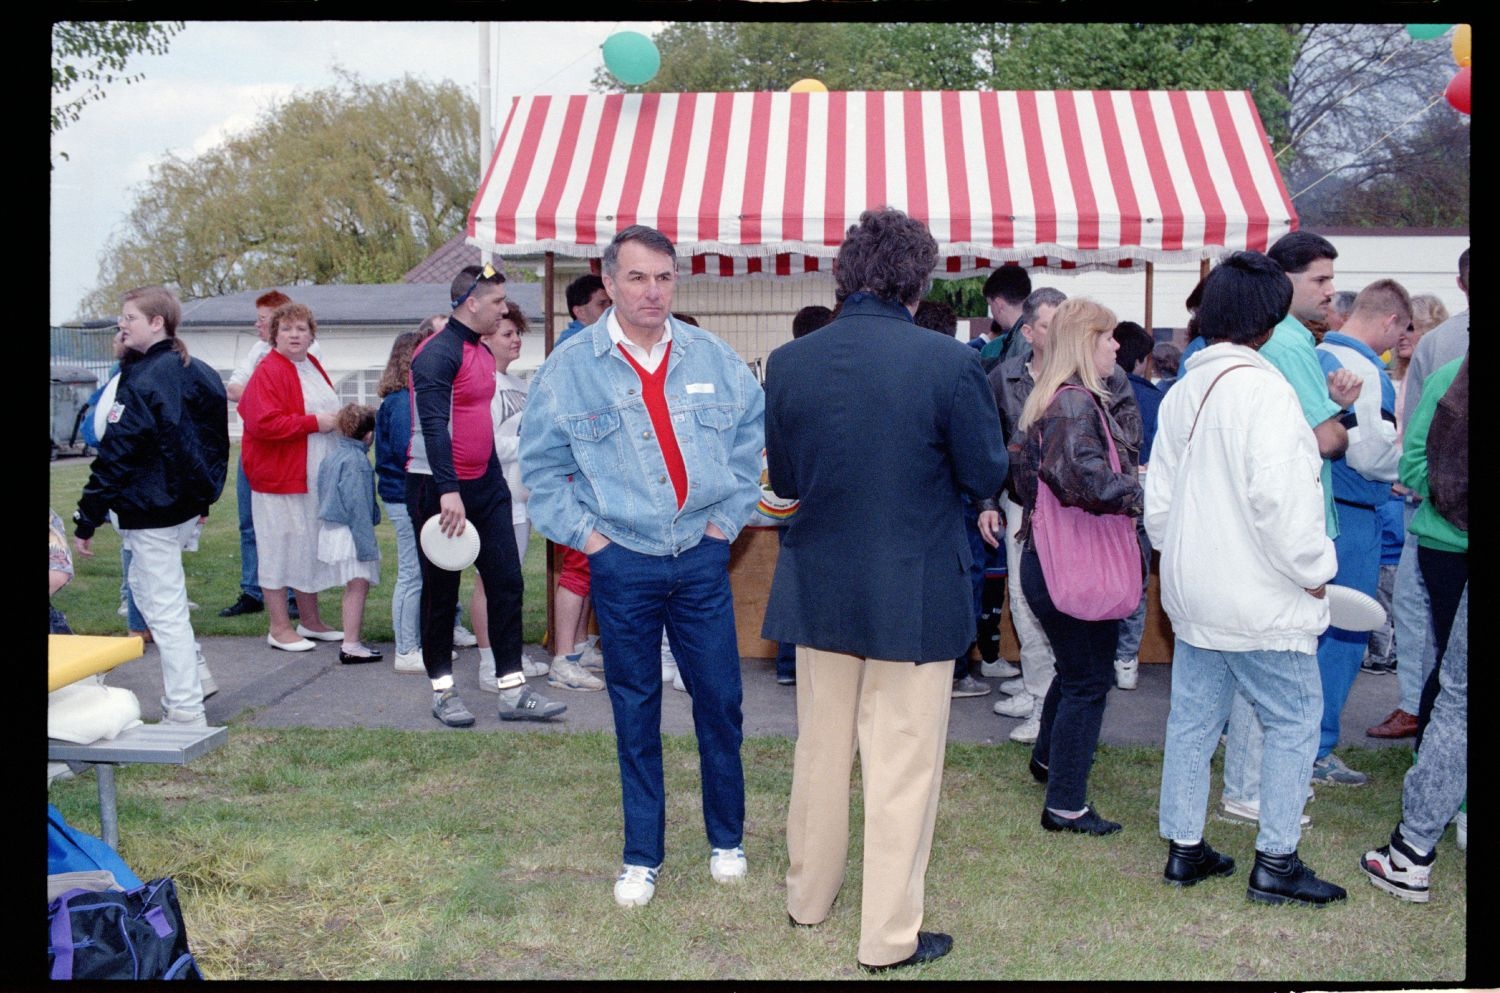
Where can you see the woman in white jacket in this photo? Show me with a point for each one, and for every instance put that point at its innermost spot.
(1234, 502)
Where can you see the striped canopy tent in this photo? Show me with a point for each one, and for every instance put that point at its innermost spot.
(767, 183)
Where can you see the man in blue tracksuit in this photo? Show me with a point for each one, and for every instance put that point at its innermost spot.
(1362, 479)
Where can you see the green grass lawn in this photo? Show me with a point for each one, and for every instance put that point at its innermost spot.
(398, 855)
(213, 572)
(374, 854)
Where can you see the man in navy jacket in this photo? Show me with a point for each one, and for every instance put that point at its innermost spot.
(878, 426)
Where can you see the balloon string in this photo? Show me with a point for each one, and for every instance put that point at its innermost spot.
(1371, 145)
(1314, 123)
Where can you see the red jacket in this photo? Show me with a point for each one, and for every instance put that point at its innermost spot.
(274, 448)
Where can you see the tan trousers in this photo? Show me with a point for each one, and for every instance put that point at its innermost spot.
(896, 715)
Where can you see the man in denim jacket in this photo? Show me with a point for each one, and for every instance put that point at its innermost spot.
(641, 446)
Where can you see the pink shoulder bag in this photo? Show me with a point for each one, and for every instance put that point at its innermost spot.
(1091, 562)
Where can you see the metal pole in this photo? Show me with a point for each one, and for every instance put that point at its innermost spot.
(109, 815)
(557, 647)
(1150, 276)
(486, 128)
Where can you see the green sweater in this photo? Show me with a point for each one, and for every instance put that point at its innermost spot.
(1431, 528)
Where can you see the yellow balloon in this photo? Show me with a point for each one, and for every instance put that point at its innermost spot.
(807, 86)
(1462, 41)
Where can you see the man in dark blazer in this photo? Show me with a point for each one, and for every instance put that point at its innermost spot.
(877, 426)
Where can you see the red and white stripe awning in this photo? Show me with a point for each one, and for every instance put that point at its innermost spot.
(769, 182)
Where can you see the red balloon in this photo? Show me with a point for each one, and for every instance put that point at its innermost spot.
(1458, 90)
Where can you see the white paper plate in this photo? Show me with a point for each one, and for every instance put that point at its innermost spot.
(454, 554)
(1352, 610)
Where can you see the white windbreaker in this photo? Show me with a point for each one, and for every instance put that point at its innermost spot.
(1238, 516)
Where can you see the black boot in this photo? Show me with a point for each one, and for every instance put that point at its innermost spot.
(1186, 864)
(1284, 879)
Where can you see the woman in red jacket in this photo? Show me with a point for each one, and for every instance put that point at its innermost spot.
(289, 413)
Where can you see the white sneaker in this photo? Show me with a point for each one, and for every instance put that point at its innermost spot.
(589, 655)
(636, 885)
(463, 637)
(210, 686)
(677, 683)
(171, 717)
(1020, 705)
(669, 671)
(998, 669)
(566, 674)
(1126, 672)
(124, 609)
(1247, 812)
(410, 662)
(1013, 686)
(1027, 731)
(531, 667)
(727, 865)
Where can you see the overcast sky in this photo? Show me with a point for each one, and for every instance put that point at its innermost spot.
(218, 77)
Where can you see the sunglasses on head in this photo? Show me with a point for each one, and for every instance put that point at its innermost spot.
(488, 272)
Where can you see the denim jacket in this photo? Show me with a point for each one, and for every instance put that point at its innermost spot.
(592, 461)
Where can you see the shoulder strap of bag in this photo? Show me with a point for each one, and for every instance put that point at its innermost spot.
(1242, 365)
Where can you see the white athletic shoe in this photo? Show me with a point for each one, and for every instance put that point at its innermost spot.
(727, 865)
(677, 683)
(566, 674)
(463, 637)
(998, 669)
(1247, 812)
(636, 885)
(1013, 686)
(530, 667)
(1020, 705)
(410, 662)
(1126, 671)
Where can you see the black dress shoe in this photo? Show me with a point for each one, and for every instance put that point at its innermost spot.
(1089, 822)
(1038, 771)
(346, 659)
(1186, 864)
(931, 945)
(246, 604)
(1284, 879)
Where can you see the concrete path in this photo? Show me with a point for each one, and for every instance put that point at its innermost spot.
(262, 687)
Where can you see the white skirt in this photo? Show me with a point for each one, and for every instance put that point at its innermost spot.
(336, 550)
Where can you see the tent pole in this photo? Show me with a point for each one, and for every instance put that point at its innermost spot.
(1150, 277)
(551, 549)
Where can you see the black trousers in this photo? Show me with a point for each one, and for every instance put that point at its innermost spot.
(487, 505)
(1445, 574)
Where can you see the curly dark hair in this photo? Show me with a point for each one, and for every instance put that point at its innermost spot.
(887, 254)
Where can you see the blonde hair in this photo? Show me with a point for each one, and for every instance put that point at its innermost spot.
(1076, 327)
(1427, 312)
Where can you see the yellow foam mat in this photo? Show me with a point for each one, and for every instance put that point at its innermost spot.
(70, 657)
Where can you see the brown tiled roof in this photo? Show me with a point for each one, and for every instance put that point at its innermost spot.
(442, 265)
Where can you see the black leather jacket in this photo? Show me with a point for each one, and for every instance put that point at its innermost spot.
(1066, 448)
(164, 455)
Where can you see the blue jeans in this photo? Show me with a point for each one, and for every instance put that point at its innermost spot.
(1435, 786)
(249, 558)
(1285, 691)
(406, 598)
(1132, 627)
(636, 596)
(1411, 616)
(133, 619)
(1340, 652)
(1073, 709)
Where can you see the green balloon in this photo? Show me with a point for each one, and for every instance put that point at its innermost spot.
(1426, 32)
(631, 56)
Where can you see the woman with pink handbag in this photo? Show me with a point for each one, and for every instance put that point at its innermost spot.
(1081, 563)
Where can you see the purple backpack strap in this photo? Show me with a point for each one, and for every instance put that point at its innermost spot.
(62, 936)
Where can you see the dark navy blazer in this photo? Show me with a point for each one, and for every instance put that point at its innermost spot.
(877, 426)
